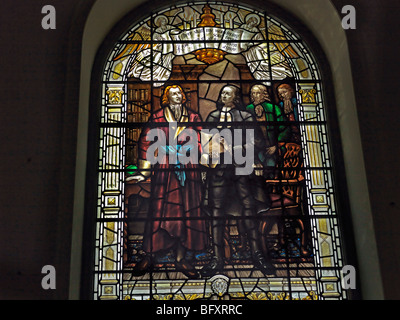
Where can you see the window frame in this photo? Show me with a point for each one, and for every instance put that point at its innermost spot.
(333, 127)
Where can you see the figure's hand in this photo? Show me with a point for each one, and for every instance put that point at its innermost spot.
(271, 150)
(258, 169)
(136, 178)
(224, 146)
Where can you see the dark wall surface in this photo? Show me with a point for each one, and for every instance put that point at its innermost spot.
(373, 47)
(37, 167)
(39, 123)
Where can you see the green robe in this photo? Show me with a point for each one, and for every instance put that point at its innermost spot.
(274, 132)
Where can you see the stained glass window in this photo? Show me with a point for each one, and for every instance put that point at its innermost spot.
(215, 178)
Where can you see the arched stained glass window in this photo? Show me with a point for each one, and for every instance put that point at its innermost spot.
(215, 176)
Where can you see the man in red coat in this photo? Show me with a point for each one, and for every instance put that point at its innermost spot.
(175, 213)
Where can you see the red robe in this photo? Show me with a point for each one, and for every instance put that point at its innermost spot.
(169, 199)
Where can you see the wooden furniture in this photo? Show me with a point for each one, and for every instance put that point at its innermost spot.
(286, 212)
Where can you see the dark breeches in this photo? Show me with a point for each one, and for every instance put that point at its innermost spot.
(220, 186)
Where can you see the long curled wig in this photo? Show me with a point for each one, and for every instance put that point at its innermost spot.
(164, 98)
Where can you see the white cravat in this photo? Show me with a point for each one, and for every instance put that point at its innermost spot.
(225, 115)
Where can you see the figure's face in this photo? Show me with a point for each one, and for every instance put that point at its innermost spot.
(284, 94)
(227, 96)
(175, 96)
(252, 22)
(257, 95)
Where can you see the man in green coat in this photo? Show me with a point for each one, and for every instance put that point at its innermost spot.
(274, 132)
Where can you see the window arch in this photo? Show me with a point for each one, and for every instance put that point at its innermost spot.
(118, 100)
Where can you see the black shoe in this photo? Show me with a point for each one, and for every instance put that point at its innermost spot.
(264, 266)
(142, 267)
(187, 269)
(212, 268)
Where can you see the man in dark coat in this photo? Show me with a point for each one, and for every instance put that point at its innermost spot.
(224, 177)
